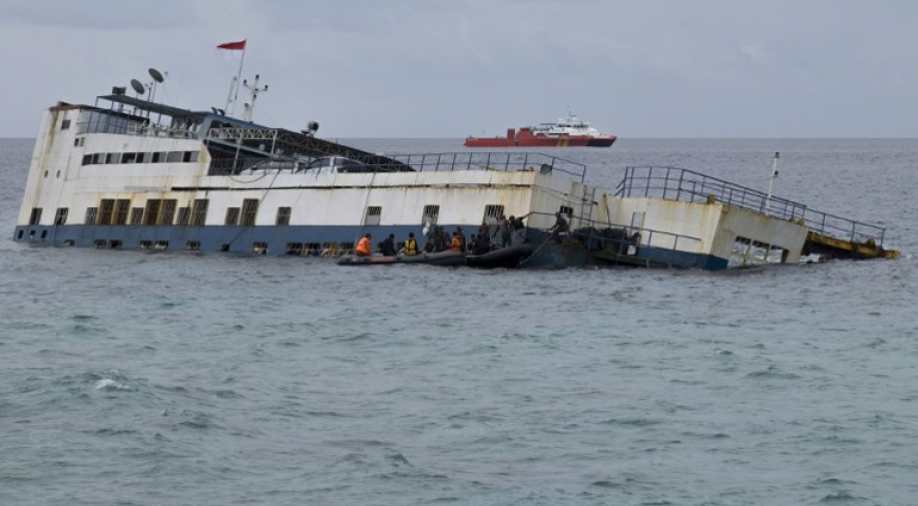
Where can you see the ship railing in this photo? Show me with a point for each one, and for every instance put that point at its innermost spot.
(99, 123)
(674, 183)
(422, 162)
(503, 161)
(589, 229)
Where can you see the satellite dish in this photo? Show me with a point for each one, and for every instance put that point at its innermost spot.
(156, 75)
(138, 86)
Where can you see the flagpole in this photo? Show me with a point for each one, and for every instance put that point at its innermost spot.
(238, 78)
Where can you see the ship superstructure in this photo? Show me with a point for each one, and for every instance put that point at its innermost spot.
(566, 132)
(129, 173)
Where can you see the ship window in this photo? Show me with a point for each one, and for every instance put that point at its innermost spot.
(111, 158)
(232, 216)
(106, 209)
(249, 212)
(568, 210)
(65, 124)
(145, 244)
(166, 212)
(91, 216)
(372, 216)
(182, 219)
(140, 156)
(174, 157)
(60, 218)
(193, 245)
(87, 159)
(156, 157)
(98, 158)
(76, 142)
(431, 215)
(260, 248)
(190, 156)
(493, 214)
(136, 215)
(283, 215)
(199, 212)
(122, 207)
(35, 217)
(294, 248)
(128, 157)
(151, 213)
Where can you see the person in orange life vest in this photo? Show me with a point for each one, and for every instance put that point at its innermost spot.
(456, 243)
(363, 246)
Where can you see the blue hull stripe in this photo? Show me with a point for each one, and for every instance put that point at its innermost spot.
(242, 239)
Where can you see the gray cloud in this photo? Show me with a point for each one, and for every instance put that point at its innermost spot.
(438, 68)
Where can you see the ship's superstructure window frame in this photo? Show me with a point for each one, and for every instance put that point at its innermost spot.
(431, 214)
(184, 214)
(493, 213)
(106, 211)
(135, 157)
(35, 217)
(283, 216)
(60, 217)
(568, 210)
(249, 212)
(65, 124)
(122, 210)
(136, 216)
(199, 212)
(151, 211)
(167, 212)
(372, 216)
(91, 214)
(232, 216)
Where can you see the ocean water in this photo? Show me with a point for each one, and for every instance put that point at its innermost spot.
(170, 378)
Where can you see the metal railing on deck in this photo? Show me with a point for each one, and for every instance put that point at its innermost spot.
(497, 161)
(645, 235)
(675, 183)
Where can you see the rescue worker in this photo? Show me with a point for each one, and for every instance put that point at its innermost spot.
(363, 246)
(387, 247)
(560, 227)
(506, 231)
(461, 235)
(456, 243)
(410, 248)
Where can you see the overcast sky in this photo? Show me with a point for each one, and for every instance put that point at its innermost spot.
(715, 68)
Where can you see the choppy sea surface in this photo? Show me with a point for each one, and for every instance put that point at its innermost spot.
(170, 378)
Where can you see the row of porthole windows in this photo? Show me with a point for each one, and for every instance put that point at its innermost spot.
(140, 157)
(166, 212)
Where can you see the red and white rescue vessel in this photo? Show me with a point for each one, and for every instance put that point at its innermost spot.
(570, 131)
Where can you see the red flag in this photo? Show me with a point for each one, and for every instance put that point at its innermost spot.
(233, 46)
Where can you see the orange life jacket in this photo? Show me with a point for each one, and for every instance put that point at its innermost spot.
(363, 247)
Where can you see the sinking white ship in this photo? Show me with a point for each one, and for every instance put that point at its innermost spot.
(130, 173)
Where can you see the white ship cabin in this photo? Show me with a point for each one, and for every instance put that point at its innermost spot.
(129, 173)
